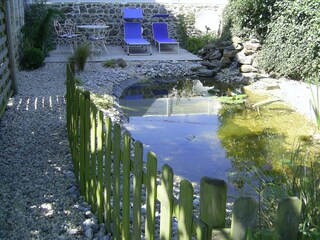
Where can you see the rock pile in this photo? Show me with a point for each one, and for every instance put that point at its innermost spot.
(225, 59)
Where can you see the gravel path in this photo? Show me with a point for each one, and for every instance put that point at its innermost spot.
(37, 193)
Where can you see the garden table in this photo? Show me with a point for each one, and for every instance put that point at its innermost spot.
(96, 35)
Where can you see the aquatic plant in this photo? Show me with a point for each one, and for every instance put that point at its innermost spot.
(235, 99)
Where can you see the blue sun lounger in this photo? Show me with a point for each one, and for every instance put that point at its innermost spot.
(133, 39)
(161, 36)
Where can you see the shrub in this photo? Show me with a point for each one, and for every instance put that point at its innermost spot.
(32, 58)
(37, 31)
(292, 45)
(81, 55)
(194, 44)
(248, 17)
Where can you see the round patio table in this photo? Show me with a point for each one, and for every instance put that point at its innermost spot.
(96, 34)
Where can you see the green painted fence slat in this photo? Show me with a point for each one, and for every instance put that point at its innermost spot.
(116, 180)
(166, 198)
(199, 229)
(288, 216)
(137, 189)
(151, 186)
(76, 133)
(213, 203)
(87, 151)
(99, 192)
(126, 161)
(185, 210)
(244, 214)
(93, 159)
(82, 144)
(107, 172)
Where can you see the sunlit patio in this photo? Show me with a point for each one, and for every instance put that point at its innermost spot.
(115, 51)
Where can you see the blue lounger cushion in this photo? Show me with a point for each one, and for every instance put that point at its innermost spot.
(133, 37)
(161, 35)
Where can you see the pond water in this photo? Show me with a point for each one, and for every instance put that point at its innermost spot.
(197, 136)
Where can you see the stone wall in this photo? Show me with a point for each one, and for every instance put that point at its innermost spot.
(234, 59)
(111, 13)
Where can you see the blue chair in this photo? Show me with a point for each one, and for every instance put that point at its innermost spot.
(133, 39)
(161, 36)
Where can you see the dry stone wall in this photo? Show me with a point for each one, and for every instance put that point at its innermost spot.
(111, 13)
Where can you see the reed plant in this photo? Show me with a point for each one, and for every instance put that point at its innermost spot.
(299, 177)
(315, 99)
(81, 55)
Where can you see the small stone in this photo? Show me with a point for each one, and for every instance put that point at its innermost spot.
(206, 73)
(72, 231)
(121, 62)
(248, 68)
(89, 233)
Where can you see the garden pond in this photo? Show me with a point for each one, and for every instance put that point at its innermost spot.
(189, 128)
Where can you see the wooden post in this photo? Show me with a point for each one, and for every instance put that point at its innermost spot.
(213, 202)
(244, 216)
(11, 47)
(288, 216)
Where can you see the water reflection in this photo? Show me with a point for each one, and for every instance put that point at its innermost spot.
(189, 129)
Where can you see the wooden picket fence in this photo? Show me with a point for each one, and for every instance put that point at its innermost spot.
(112, 176)
(7, 61)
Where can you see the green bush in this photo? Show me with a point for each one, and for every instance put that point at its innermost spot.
(38, 31)
(194, 44)
(81, 55)
(292, 45)
(244, 18)
(32, 58)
